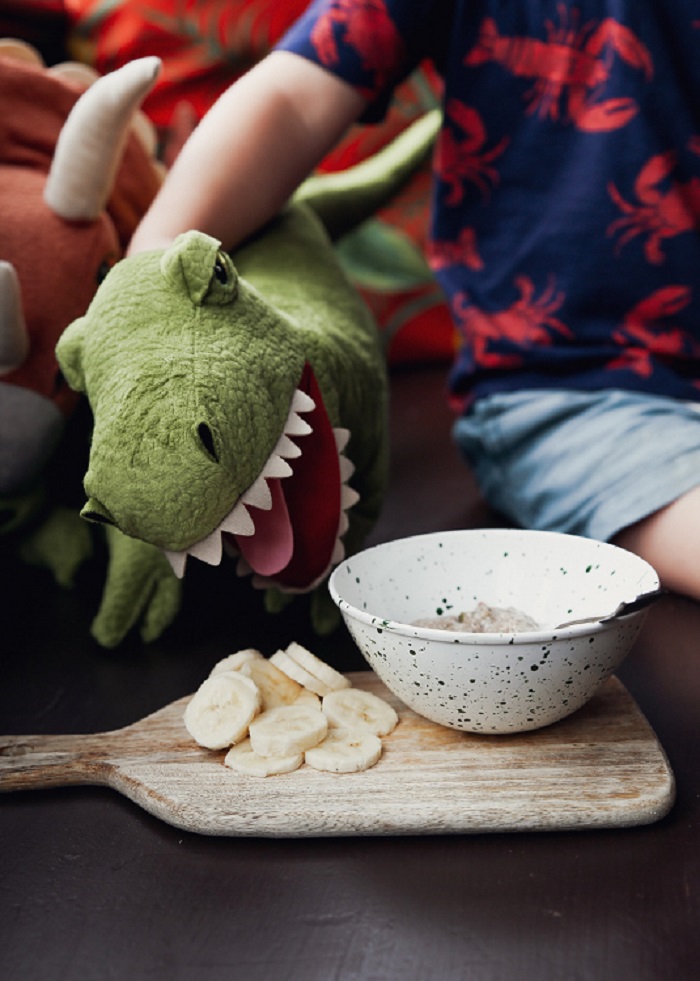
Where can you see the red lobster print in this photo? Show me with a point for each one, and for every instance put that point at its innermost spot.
(462, 252)
(573, 64)
(368, 29)
(658, 214)
(527, 321)
(465, 160)
(642, 337)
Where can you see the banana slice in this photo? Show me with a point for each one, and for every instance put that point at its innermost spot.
(235, 661)
(243, 759)
(306, 697)
(345, 752)
(355, 709)
(287, 729)
(290, 667)
(276, 687)
(222, 708)
(327, 675)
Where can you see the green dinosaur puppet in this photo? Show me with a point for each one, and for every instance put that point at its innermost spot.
(239, 402)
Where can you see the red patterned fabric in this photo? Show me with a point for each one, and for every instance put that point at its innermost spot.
(204, 44)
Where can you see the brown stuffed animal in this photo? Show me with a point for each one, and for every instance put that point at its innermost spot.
(77, 172)
(72, 189)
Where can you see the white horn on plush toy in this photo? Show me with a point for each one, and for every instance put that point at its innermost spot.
(90, 145)
(14, 339)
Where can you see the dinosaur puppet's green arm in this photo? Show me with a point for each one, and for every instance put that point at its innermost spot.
(141, 589)
(61, 543)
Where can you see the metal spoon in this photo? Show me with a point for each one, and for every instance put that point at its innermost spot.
(623, 610)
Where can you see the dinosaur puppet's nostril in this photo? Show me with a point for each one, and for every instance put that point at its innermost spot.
(94, 511)
(207, 440)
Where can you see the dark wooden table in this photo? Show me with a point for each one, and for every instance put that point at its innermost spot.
(92, 887)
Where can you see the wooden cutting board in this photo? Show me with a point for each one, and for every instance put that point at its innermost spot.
(602, 767)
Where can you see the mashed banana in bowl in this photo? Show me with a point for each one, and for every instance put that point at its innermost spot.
(483, 619)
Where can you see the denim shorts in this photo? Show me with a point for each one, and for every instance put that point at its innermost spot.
(585, 463)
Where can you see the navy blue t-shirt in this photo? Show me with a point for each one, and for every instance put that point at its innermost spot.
(566, 213)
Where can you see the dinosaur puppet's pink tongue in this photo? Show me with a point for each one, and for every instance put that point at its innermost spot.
(294, 540)
(270, 549)
(313, 496)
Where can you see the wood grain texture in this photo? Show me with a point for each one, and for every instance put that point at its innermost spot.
(602, 767)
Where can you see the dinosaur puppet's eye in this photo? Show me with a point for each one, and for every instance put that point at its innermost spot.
(220, 270)
(206, 438)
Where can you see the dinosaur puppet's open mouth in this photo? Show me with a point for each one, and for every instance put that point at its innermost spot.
(287, 527)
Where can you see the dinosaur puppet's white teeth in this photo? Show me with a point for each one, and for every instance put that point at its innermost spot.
(287, 449)
(276, 467)
(348, 498)
(342, 437)
(347, 468)
(301, 402)
(208, 550)
(258, 495)
(236, 522)
(239, 521)
(296, 425)
(177, 562)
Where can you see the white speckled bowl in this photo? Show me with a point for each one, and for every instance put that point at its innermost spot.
(492, 682)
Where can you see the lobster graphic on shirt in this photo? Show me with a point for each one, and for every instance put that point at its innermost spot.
(642, 336)
(529, 320)
(366, 28)
(462, 154)
(570, 69)
(662, 207)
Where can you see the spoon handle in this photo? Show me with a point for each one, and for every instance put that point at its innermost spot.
(640, 603)
(623, 610)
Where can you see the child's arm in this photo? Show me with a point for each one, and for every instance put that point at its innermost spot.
(254, 147)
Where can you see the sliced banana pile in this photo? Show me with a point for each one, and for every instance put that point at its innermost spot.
(278, 713)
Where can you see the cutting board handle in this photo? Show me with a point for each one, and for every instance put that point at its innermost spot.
(33, 762)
